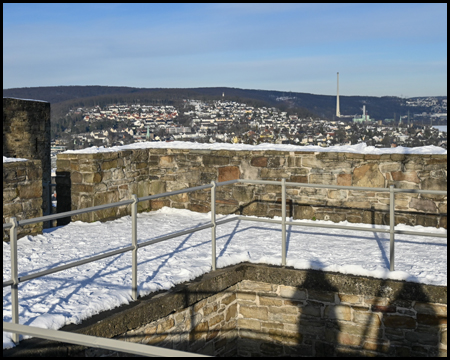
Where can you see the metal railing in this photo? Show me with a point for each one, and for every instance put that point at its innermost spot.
(15, 279)
(95, 341)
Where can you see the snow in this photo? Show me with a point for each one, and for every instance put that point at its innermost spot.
(73, 295)
(8, 159)
(10, 97)
(442, 128)
(361, 148)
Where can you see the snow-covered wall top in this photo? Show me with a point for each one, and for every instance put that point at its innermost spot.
(9, 159)
(358, 149)
(10, 97)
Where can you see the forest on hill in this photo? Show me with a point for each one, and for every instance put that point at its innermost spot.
(64, 98)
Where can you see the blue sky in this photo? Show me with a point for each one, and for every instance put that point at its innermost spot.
(378, 49)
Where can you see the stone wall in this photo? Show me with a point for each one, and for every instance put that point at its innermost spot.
(261, 310)
(26, 134)
(255, 318)
(94, 179)
(22, 195)
(208, 327)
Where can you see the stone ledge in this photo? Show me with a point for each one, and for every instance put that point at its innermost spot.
(155, 306)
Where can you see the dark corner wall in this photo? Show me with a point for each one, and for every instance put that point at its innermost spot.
(26, 134)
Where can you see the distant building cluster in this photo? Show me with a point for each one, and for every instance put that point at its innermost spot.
(233, 122)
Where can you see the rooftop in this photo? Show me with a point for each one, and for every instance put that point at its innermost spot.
(73, 295)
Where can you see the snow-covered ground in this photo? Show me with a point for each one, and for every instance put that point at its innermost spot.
(442, 128)
(361, 148)
(75, 294)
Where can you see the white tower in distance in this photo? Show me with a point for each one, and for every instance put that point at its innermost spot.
(338, 112)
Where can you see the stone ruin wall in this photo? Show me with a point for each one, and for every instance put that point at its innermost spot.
(26, 134)
(255, 318)
(22, 195)
(261, 310)
(86, 180)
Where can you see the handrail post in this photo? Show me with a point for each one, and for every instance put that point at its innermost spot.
(134, 294)
(391, 226)
(283, 222)
(14, 277)
(213, 221)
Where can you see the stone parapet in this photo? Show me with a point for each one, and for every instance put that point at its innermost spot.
(94, 179)
(262, 310)
(22, 195)
(26, 134)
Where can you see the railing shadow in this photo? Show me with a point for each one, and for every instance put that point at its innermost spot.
(169, 256)
(234, 232)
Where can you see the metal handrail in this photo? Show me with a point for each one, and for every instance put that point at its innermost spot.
(95, 341)
(15, 280)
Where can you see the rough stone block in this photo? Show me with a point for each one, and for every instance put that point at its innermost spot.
(228, 173)
(13, 209)
(106, 197)
(299, 179)
(390, 167)
(165, 325)
(312, 162)
(243, 193)
(444, 337)
(211, 160)
(63, 165)
(260, 161)
(382, 347)
(231, 312)
(198, 208)
(435, 184)
(423, 205)
(339, 312)
(30, 190)
(410, 176)
(366, 318)
(283, 310)
(368, 331)
(275, 162)
(245, 296)
(303, 212)
(267, 173)
(269, 301)
(318, 295)
(10, 194)
(285, 336)
(326, 179)
(348, 298)
(384, 309)
(228, 299)
(216, 319)
(199, 331)
(431, 309)
(255, 208)
(166, 161)
(398, 321)
(254, 312)
(422, 338)
(207, 310)
(291, 292)
(249, 324)
(431, 320)
(311, 309)
(106, 165)
(368, 176)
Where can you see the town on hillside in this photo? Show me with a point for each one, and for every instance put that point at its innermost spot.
(233, 122)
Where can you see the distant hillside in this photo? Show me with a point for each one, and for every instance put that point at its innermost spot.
(65, 97)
